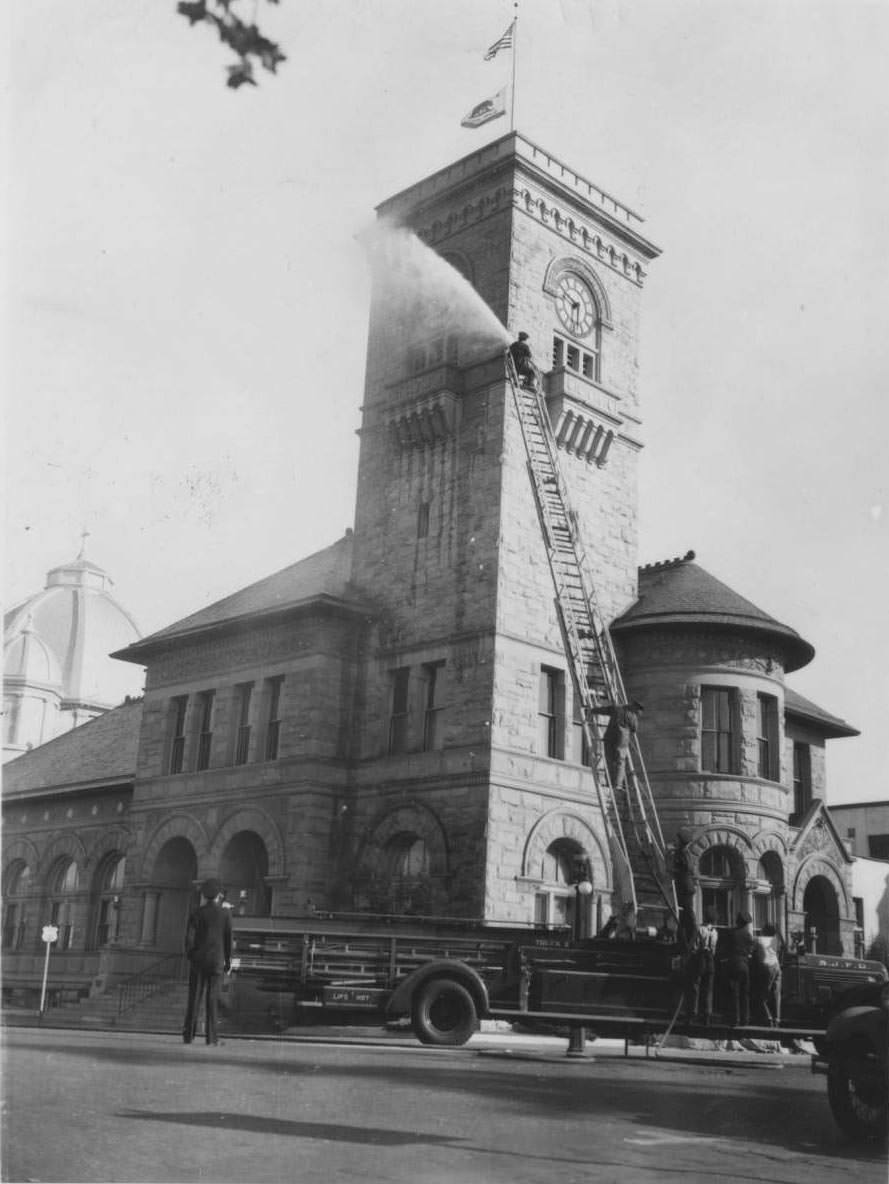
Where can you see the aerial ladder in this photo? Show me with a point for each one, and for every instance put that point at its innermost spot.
(642, 881)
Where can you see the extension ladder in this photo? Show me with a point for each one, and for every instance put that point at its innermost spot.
(642, 880)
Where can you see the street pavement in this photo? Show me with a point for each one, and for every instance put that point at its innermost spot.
(356, 1106)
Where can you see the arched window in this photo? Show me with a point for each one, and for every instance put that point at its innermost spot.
(407, 862)
(110, 887)
(767, 901)
(556, 898)
(15, 894)
(721, 875)
(63, 886)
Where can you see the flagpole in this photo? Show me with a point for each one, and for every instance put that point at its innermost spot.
(515, 49)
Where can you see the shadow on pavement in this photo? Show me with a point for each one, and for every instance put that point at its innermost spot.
(332, 1131)
(777, 1109)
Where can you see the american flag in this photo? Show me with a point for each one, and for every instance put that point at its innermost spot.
(504, 42)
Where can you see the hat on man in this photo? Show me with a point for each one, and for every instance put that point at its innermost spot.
(210, 888)
(523, 336)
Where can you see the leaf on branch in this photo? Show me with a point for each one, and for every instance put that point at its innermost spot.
(239, 74)
(194, 10)
(271, 56)
(246, 40)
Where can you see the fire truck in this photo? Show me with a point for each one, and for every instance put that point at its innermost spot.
(445, 976)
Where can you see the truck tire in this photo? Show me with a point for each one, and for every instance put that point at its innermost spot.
(858, 1094)
(443, 1013)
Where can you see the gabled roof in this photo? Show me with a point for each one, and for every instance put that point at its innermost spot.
(831, 726)
(680, 593)
(817, 817)
(321, 578)
(99, 752)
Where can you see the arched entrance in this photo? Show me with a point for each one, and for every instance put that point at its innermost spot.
(243, 868)
(822, 909)
(173, 876)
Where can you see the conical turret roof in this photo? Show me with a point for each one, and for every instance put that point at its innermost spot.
(679, 592)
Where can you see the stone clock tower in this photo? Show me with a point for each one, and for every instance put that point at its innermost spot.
(467, 758)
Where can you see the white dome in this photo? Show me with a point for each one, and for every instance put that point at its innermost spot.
(28, 659)
(79, 623)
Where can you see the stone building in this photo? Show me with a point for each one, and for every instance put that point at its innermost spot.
(389, 724)
(865, 830)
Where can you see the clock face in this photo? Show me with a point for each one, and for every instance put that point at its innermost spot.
(574, 304)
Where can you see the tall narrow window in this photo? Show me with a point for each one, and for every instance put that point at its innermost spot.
(422, 520)
(178, 710)
(399, 716)
(408, 858)
(550, 713)
(63, 886)
(720, 890)
(718, 730)
(768, 765)
(580, 750)
(243, 698)
(768, 906)
(15, 893)
(205, 724)
(111, 876)
(802, 779)
(432, 714)
(273, 726)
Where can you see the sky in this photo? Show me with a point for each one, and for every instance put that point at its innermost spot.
(185, 313)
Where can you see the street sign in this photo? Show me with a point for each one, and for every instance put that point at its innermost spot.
(50, 934)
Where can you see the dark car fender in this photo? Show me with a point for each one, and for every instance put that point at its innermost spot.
(868, 1022)
(400, 999)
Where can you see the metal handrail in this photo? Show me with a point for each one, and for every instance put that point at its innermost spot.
(143, 984)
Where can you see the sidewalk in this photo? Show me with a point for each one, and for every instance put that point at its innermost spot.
(494, 1038)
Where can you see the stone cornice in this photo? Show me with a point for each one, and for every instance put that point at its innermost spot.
(511, 160)
(425, 422)
(582, 233)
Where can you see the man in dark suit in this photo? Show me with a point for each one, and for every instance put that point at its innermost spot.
(208, 947)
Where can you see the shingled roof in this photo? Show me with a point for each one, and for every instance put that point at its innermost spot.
(99, 752)
(321, 578)
(680, 593)
(830, 726)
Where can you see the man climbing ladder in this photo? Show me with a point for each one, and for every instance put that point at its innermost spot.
(523, 361)
(634, 833)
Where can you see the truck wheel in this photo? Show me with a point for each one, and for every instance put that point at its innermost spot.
(443, 1013)
(858, 1094)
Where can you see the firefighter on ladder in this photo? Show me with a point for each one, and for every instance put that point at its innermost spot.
(525, 366)
(622, 724)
